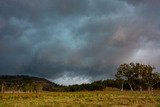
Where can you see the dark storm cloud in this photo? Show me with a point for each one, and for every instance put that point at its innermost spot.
(77, 38)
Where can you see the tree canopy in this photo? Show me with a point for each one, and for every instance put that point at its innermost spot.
(137, 75)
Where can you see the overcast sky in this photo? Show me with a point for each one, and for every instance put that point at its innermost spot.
(76, 41)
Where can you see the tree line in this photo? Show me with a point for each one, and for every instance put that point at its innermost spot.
(132, 76)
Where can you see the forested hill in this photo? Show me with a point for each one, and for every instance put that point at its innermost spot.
(21, 83)
(24, 83)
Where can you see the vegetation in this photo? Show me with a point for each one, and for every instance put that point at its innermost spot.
(81, 99)
(138, 76)
(26, 84)
(26, 91)
(129, 76)
(19, 84)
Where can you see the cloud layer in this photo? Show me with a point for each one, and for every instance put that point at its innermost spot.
(80, 38)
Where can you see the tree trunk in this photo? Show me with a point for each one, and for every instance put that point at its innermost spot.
(2, 88)
(149, 89)
(131, 87)
(152, 88)
(140, 88)
(122, 86)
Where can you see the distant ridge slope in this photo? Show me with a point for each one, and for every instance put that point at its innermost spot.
(23, 83)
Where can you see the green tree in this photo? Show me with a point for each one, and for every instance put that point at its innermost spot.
(138, 75)
(125, 72)
(151, 79)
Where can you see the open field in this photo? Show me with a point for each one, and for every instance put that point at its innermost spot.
(81, 99)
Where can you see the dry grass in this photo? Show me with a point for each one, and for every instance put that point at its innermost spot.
(81, 99)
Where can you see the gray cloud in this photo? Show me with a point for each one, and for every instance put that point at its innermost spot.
(77, 38)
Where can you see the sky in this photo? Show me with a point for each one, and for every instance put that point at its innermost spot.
(77, 41)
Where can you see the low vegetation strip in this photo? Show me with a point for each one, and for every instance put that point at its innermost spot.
(81, 99)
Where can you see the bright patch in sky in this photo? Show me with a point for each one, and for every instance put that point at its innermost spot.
(66, 79)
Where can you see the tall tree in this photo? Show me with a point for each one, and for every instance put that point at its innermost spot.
(138, 75)
(125, 73)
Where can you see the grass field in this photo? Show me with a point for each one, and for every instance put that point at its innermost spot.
(81, 99)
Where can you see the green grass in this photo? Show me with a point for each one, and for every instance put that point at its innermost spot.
(81, 99)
